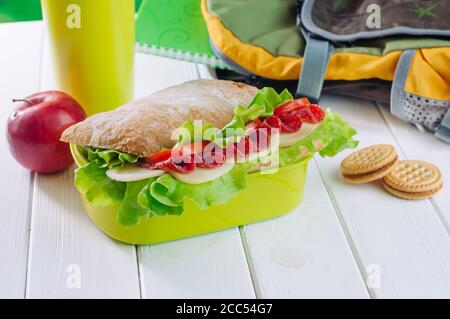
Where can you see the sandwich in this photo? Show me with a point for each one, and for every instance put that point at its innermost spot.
(199, 140)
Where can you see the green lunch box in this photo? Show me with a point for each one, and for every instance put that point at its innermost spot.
(266, 196)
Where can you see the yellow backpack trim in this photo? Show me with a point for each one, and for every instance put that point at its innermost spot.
(426, 77)
(260, 62)
(429, 74)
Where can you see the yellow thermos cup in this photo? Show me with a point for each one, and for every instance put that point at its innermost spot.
(92, 44)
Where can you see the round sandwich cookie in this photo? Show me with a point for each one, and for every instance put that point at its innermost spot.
(369, 164)
(413, 180)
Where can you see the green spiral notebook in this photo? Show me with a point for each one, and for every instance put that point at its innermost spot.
(174, 29)
(25, 10)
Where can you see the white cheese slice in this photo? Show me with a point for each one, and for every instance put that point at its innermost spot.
(131, 173)
(253, 156)
(288, 139)
(203, 175)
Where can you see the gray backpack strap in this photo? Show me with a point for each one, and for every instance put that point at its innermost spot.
(315, 63)
(443, 130)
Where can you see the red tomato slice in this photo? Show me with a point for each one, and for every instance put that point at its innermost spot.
(184, 150)
(158, 157)
(181, 167)
(252, 125)
(213, 164)
(309, 113)
(306, 114)
(290, 122)
(183, 159)
(257, 140)
(318, 112)
(194, 148)
(285, 122)
(291, 106)
(272, 122)
(185, 165)
(211, 157)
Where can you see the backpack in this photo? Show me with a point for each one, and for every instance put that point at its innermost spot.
(389, 51)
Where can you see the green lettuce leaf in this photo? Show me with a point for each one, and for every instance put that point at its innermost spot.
(262, 105)
(130, 210)
(107, 158)
(165, 196)
(99, 189)
(156, 196)
(191, 132)
(332, 136)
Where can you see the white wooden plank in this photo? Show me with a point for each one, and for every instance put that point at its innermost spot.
(206, 72)
(69, 257)
(304, 254)
(20, 71)
(403, 243)
(155, 73)
(208, 266)
(415, 144)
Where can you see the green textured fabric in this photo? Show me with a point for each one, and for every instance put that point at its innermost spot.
(346, 17)
(384, 46)
(25, 10)
(272, 25)
(265, 23)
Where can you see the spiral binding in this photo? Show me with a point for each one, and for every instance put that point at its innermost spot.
(211, 61)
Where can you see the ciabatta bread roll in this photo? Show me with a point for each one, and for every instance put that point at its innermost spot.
(145, 126)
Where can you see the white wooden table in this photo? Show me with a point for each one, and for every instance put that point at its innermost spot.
(343, 241)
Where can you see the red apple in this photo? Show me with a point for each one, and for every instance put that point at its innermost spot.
(35, 127)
